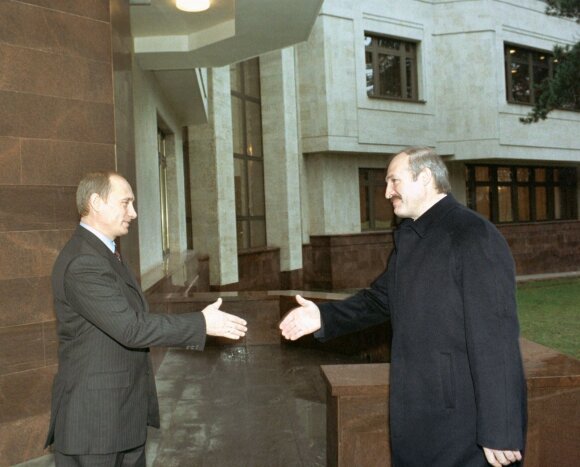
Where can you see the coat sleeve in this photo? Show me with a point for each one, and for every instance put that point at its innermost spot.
(93, 291)
(364, 309)
(487, 276)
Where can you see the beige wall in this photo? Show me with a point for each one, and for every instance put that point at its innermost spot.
(151, 110)
(462, 109)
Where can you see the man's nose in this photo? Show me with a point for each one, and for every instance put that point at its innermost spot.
(388, 191)
(132, 212)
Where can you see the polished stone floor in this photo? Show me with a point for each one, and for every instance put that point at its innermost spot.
(256, 406)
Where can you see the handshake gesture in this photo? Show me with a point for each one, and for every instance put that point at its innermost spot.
(222, 324)
(300, 321)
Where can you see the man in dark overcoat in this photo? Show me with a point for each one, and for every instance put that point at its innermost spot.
(458, 394)
(104, 393)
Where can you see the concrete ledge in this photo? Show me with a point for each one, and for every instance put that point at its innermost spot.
(549, 276)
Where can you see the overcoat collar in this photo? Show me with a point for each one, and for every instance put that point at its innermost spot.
(434, 215)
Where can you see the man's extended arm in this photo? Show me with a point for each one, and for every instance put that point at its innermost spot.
(91, 288)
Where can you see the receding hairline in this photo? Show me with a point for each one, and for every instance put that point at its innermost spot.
(122, 181)
(401, 155)
(424, 157)
(416, 151)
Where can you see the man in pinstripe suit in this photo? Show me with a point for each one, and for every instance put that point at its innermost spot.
(104, 394)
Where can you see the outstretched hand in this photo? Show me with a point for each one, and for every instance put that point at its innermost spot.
(220, 323)
(497, 458)
(302, 320)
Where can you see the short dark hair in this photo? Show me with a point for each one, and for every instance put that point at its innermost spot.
(422, 157)
(93, 182)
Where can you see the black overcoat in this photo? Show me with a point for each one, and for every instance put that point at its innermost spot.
(457, 380)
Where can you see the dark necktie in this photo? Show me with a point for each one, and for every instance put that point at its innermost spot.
(118, 255)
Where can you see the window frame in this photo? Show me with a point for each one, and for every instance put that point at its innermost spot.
(566, 183)
(369, 182)
(374, 49)
(162, 139)
(247, 157)
(530, 51)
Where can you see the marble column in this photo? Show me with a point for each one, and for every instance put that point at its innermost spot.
(212, 183)
(281, 156)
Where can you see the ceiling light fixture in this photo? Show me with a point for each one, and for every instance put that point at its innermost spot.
(192, 5)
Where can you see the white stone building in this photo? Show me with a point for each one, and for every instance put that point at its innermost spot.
(372, 78)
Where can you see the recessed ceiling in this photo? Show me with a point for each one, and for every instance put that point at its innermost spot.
(230, 31)
(162, 18)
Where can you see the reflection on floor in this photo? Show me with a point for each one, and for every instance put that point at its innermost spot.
(257, 406)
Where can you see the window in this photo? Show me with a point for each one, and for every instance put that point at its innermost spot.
(376, 213)
(391, 67)
(521, 193)
(248, 157)
(164, 207)
(525, 69)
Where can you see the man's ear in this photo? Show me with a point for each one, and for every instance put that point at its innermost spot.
(426, 176)
(95, 202)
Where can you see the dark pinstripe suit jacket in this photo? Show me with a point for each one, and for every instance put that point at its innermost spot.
(104, 393)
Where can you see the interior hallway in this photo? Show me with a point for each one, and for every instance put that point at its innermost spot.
(237, 406)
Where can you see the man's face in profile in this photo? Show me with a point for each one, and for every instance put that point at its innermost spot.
(116, 212)
(406, 193)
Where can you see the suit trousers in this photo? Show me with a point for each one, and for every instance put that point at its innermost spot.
(130, 458)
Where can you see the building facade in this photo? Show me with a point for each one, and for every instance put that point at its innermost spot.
(371, 80)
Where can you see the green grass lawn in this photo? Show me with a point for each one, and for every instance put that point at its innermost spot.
(549, 313)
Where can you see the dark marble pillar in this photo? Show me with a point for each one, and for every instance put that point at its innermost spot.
(357, 430)
(61, 81)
